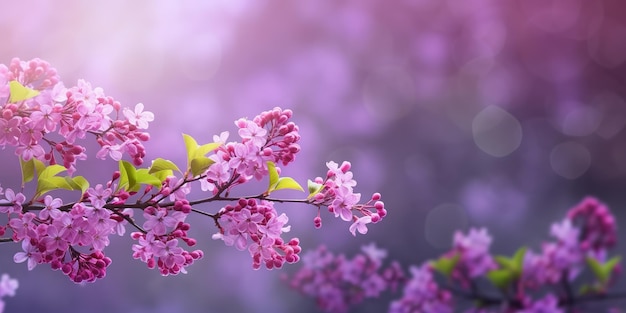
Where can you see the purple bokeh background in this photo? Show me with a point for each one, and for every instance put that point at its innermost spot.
(500, 114)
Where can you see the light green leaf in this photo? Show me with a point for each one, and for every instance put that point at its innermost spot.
(161, 165)
(81, 183)
(504, 262)
(500, 278)
(45, 185)
(445, 265)
(518, 258)
(206, 148)
(273, 173)
(199, 165)
(20, 92)
(144, 177)
(28, 170)
(287, 183)
(191, 145)
(51, 170)
(314, 188)
(162, 175)
(128, 177)
(603, 271)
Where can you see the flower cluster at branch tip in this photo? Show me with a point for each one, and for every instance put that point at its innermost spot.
(337, 283)
(71, 113)
(336, 192)
(45, 122)
(527, 282)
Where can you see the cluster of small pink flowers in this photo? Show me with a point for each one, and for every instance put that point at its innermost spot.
(526, 282)
(44, 120)
(422, 294)
(257, 227)
(598, 230)
(282, 135)
(57, 237)
(269, 137)
(337, 283)
(337, 194)
(159, 246)
(71, 113)
(563, 257)
(473, 253)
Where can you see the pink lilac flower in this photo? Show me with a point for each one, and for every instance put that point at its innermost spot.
(31, 255)
(139, 117)
(250, 131)
(422, 294)
(99, 195)
(598, 226)
(549, 304)
(257, 227)
(360, 225)
(15, 198)
(10, 130)
(473, 252)
(338, 283)
(51, 208)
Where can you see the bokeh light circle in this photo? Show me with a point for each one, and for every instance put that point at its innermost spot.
(570, 159)
(441, 223)
(496, 131)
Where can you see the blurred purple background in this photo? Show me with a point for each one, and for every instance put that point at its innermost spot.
(500, 114)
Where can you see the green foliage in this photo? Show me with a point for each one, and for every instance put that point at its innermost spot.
(602, 271)
(314, 188)
(197, 162)
(132, 178)
(48, 179)
(20, 93)
(278, 183)
(445, 265)
(510, 269)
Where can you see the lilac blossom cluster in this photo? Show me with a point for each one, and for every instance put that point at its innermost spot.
(69, 112)
(37, 110)
(336, 193)
(527, 282)
(337, 283)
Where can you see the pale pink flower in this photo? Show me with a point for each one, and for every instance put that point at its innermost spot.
(138, 117)
(30, 254)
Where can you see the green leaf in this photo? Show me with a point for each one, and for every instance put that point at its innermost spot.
(81, 183)
(144, 177)
(445, 265)
(191, 145)
(199, 165)
(28, 170)
(603, 271)
(51, 170)
(197, 162)
(597, 269)
(162, 175)
(500, 278)
(273, 173)
(504, 262)
(128, 177)
(20, 92)
(518, 258)
(287, 183)
(45, 185)
(314, 188)
(162, 165)
(206, 148)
